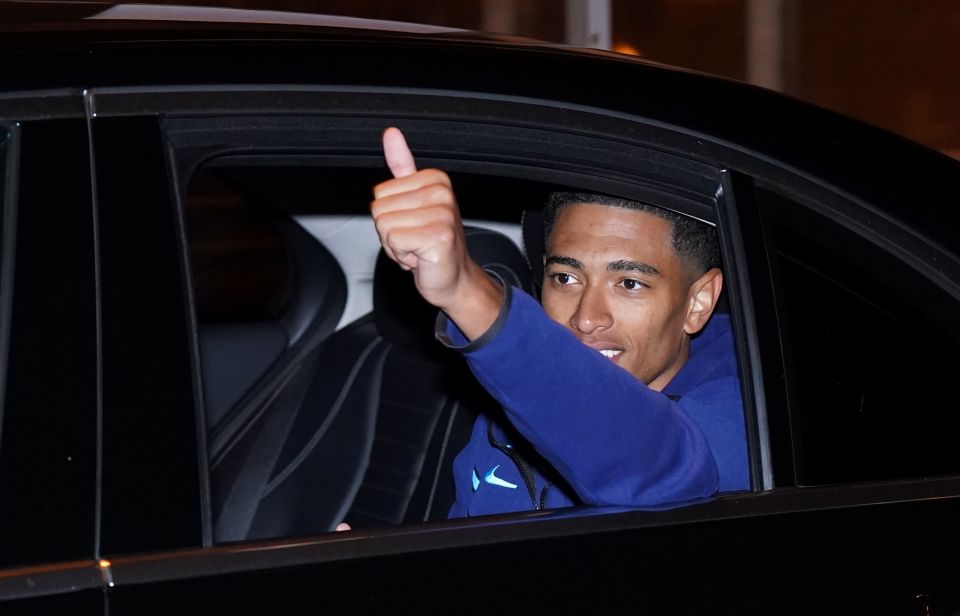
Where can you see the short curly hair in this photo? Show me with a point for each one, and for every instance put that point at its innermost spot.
(695, 242)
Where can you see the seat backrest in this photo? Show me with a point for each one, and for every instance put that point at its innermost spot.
(242, 364)
(385, 410)
(254, 374)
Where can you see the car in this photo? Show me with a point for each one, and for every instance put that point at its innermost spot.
(206, 366)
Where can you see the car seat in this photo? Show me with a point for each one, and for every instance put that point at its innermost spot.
(383, 411)
(252, 372)
(240, 360)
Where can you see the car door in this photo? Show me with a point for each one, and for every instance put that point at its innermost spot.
(191, 135)
(793, 543)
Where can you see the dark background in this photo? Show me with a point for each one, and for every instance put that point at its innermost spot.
(891, 63)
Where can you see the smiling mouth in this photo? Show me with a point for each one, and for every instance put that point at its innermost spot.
(610, 353)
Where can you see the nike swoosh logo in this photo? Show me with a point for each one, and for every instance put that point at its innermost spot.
(492, 479)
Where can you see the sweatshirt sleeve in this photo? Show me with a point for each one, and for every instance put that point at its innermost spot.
(614, 440)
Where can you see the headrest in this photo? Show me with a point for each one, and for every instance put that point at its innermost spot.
(531, 224)
(403, 317)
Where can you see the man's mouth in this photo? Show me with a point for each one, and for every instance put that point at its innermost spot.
(610, 353)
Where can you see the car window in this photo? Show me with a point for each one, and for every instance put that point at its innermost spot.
(356, 413)
(333, 400)
(48, 452)
(872, 353)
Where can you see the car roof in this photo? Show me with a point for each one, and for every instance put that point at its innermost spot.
(130, 21)
(55, 45)
(205, 14)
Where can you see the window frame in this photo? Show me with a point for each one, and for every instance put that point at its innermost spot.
(189, 154)
(149, 424)
(10, 145)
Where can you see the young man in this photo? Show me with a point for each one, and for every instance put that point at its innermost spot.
(620, 390)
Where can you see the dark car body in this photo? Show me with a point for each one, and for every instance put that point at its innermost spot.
(840, 251)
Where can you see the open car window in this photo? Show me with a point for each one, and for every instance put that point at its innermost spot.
(326, 397)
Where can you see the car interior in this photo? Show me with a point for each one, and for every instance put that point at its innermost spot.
(326, 397)
(311, 423)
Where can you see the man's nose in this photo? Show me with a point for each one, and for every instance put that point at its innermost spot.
(592, 313)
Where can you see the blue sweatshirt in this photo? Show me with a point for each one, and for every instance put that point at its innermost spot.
(579, 429)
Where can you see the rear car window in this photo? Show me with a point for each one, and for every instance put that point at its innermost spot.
(872, 354)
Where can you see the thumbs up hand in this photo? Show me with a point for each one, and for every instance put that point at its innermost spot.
(418, 221)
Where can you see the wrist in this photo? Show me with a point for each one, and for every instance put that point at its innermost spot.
(475, 305)
(450, 335)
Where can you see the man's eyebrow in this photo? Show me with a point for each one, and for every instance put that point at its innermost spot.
(568, 261)
(623, 265)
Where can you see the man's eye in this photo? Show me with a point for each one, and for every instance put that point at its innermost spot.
(564, 279)
(631, 285)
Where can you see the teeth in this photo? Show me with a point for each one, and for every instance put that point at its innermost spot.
(610, 353)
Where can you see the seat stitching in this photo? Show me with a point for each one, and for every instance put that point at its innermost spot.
(290, 468)
(437, 467)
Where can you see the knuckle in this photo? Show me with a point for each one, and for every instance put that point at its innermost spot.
(438, 194)
(383, 188)
(434, 176)
(444, 234)
(389, 239)
(447, 217)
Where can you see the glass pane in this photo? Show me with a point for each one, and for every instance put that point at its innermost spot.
(48, 453)
(872, 354)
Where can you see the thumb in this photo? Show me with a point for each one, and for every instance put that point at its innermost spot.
(398, 155)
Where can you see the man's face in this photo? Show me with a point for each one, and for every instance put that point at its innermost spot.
(612, 277)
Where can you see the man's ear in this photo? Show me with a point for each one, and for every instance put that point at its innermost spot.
(702, 299)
